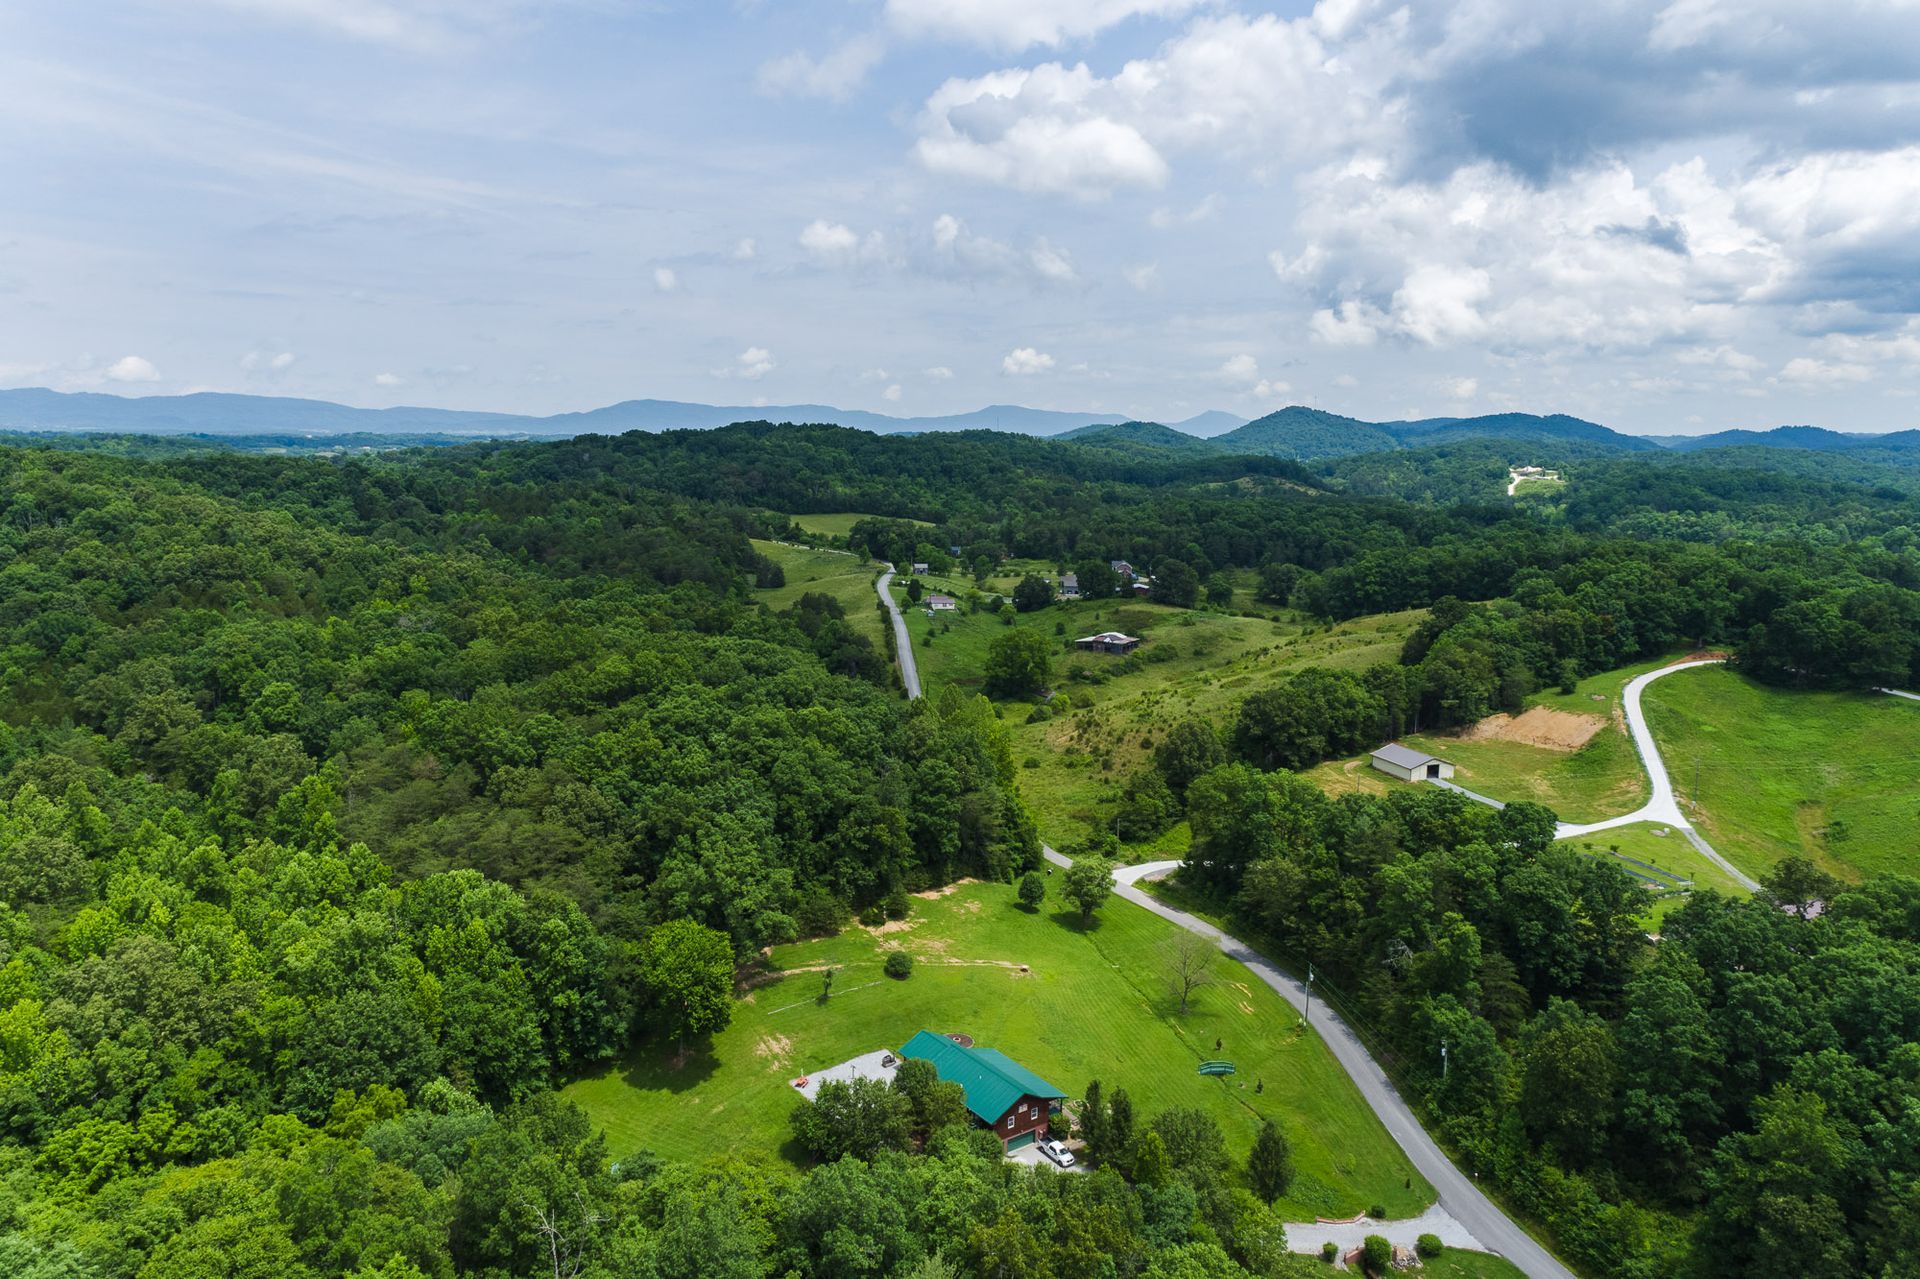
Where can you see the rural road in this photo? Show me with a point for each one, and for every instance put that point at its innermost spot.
(1475, 1214)
(1663, 806)
(903, 645)
(1460, 1199)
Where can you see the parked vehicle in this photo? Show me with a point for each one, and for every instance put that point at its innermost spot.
(1058, 1152)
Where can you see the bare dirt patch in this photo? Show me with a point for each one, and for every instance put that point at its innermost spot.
(773, 1047)
(891, 926)
(1540, 726)
(932, 893)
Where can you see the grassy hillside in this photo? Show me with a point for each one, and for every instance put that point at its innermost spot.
(836, 573)
(837, 523)
(1765, 772)
(1108, 709)
(1090, 1005)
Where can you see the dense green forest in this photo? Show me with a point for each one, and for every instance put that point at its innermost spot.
(348, 804)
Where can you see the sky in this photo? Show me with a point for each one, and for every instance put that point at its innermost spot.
(1669, 217)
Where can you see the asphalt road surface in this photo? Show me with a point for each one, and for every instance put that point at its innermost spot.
(1459, 1197)
(1663, 807)
(903, 645)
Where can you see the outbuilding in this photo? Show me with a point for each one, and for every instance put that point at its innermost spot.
(1002, 1095)
(1410, 765)
(1107, 642)
(1069, 586)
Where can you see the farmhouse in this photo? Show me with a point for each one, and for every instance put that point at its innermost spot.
(920, 568)
(1001, 1093)
(1107, 642)
(1124, 569)
(940, 604)
(1410, 765)
(1069, 586)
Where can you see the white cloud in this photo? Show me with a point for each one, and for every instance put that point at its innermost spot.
(836, 244)
(892, 393)
(1035, 131)
(1346, 381)
(1143, 277)
(746, 250)
(1351, 323)
(1437, 304)
(1260, 89)
(259, 361)
(1804, 371)
(1161, 219)
(835, 75)
(1239, 370)
(133, 368)
(665, 279)
(1269, 390)
(1025, 361)
(388, 379)
(940, 373)
(22, 372)
(752, 364)
(1013, 25)
(1051, 263)
(1461, 388)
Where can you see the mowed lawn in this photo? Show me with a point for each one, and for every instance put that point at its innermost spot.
(1834, 777)
(1090, 1005)
(847, 578)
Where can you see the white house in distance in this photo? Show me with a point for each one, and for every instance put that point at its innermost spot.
(941, 604)
(1410, 765)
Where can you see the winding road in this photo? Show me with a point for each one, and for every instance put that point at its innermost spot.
(1478, 1216)
(1663, 806)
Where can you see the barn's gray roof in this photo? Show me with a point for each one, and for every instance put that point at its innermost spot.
(1404, 756)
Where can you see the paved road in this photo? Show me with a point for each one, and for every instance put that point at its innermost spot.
(1894, 692)
(902, 643)
(1458, 789)
(1663, 807)
(1459, 1197)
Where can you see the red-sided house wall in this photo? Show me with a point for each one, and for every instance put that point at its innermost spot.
(1016, 1122)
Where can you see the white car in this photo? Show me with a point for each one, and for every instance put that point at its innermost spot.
(1058, 1152)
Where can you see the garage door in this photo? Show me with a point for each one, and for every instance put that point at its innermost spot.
(1024, 1139)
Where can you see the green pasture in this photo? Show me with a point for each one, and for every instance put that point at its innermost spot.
(1089, 1004)
(839, 523)
(847, 578)
(1674, 866)
(1767, 773)
(1107, 709)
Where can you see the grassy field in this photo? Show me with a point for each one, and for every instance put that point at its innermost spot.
(1457, 1264)
(1766, 773)
(1089, 1006)
(1198, 662)
(1667, 865)
(838, 524)
(845, 577)
(1601, 779)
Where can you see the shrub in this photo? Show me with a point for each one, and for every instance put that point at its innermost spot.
(899, 965)
(898, 904)
(1376, 1255)
(1429, 1246)
(1377, 1212)
(1033, 890)
(873, 916)
(1329, 1252)
(819, 914)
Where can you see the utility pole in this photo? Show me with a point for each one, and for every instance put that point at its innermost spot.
(1443, 1059)
(1307, 1016)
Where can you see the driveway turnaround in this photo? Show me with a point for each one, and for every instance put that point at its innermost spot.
(1307, 1236)
(1663, 807)
(903, 646)
(1460, 1199)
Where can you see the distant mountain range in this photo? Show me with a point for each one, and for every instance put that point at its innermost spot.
(218, 413)
(1297, 432)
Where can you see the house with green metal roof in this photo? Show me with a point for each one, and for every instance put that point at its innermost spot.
(1001, 1093)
